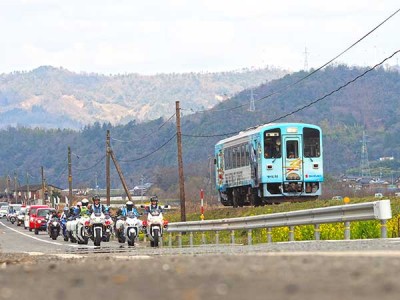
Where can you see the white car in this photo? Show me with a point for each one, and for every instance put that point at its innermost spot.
(3, 211)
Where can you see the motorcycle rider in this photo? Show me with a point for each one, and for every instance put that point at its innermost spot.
(84, 209)
(97, 207)
(52, 214)
(66, 213)
(122, 213)
(77, 209)
(153, 205)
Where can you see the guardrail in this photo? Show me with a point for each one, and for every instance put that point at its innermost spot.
(377, 210)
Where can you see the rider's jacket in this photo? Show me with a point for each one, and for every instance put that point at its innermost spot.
(84, 211)
(77, 211)
(124, 211)
(153, 207)
(98, 208)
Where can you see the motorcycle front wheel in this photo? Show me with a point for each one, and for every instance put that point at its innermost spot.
(155, 237)
(97, 237)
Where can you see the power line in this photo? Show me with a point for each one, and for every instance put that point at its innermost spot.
(147, 155)
(309, 104)
(336, 90)
(310, 74)
(144, 137)
(99, 161)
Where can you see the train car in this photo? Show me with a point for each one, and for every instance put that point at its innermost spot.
(271, 163)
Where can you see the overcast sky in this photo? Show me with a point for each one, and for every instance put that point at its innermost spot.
(164, 36)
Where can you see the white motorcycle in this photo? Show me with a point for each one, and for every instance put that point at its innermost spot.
(100, 228)
(82, 230)
(12, 217)
(71, 229)
(129, 229)
(154, 226)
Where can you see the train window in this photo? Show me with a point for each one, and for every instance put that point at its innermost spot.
(234, 157)
(243, 155)
(227, 158)
(247, 154)
(230, 158)
(312, 142)
(292, 149)
(272, 143)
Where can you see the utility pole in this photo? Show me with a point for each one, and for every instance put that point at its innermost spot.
(15, 187)
(27, 189)
(69, 177)
(180, 162)
(108, 180)
(8, 188)
(43, 186)
(141, 189)
(96, 183)
(121, 176)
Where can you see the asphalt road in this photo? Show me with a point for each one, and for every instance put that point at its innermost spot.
(34, 267)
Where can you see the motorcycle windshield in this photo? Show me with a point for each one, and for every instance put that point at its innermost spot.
(130, 214)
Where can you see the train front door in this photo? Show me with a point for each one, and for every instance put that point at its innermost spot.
(293, 164)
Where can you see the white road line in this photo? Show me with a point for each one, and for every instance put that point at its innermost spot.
(378, 253)
(135, 257)
(49, 242)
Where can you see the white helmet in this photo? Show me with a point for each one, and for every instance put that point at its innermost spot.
(79, 204)
(85, 202)
(129, 204)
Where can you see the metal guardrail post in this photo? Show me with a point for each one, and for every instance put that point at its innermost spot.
(170, 240)
(317, 232)
(233, 237)
(383, 229)
(203, 238)
(180, 239)
(191, 239)
(269, 235)
(291, 233)
(217, 237)
(161, 242)
(347, 230)
(249, 237)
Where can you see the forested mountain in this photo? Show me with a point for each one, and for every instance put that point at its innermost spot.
(371, 103)
(49, 97)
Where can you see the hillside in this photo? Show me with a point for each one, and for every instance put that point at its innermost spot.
(371, 104)
(49, 97)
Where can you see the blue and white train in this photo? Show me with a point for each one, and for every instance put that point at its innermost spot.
(271, 163)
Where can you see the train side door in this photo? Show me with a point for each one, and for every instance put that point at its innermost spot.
(219, 169)
(292, 162)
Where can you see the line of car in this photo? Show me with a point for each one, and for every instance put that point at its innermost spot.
(32, 217)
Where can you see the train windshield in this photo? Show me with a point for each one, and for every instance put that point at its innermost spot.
(312, 142)
(272, 143)
(292, 149)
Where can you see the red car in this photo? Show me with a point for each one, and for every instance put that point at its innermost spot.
(33, 214)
